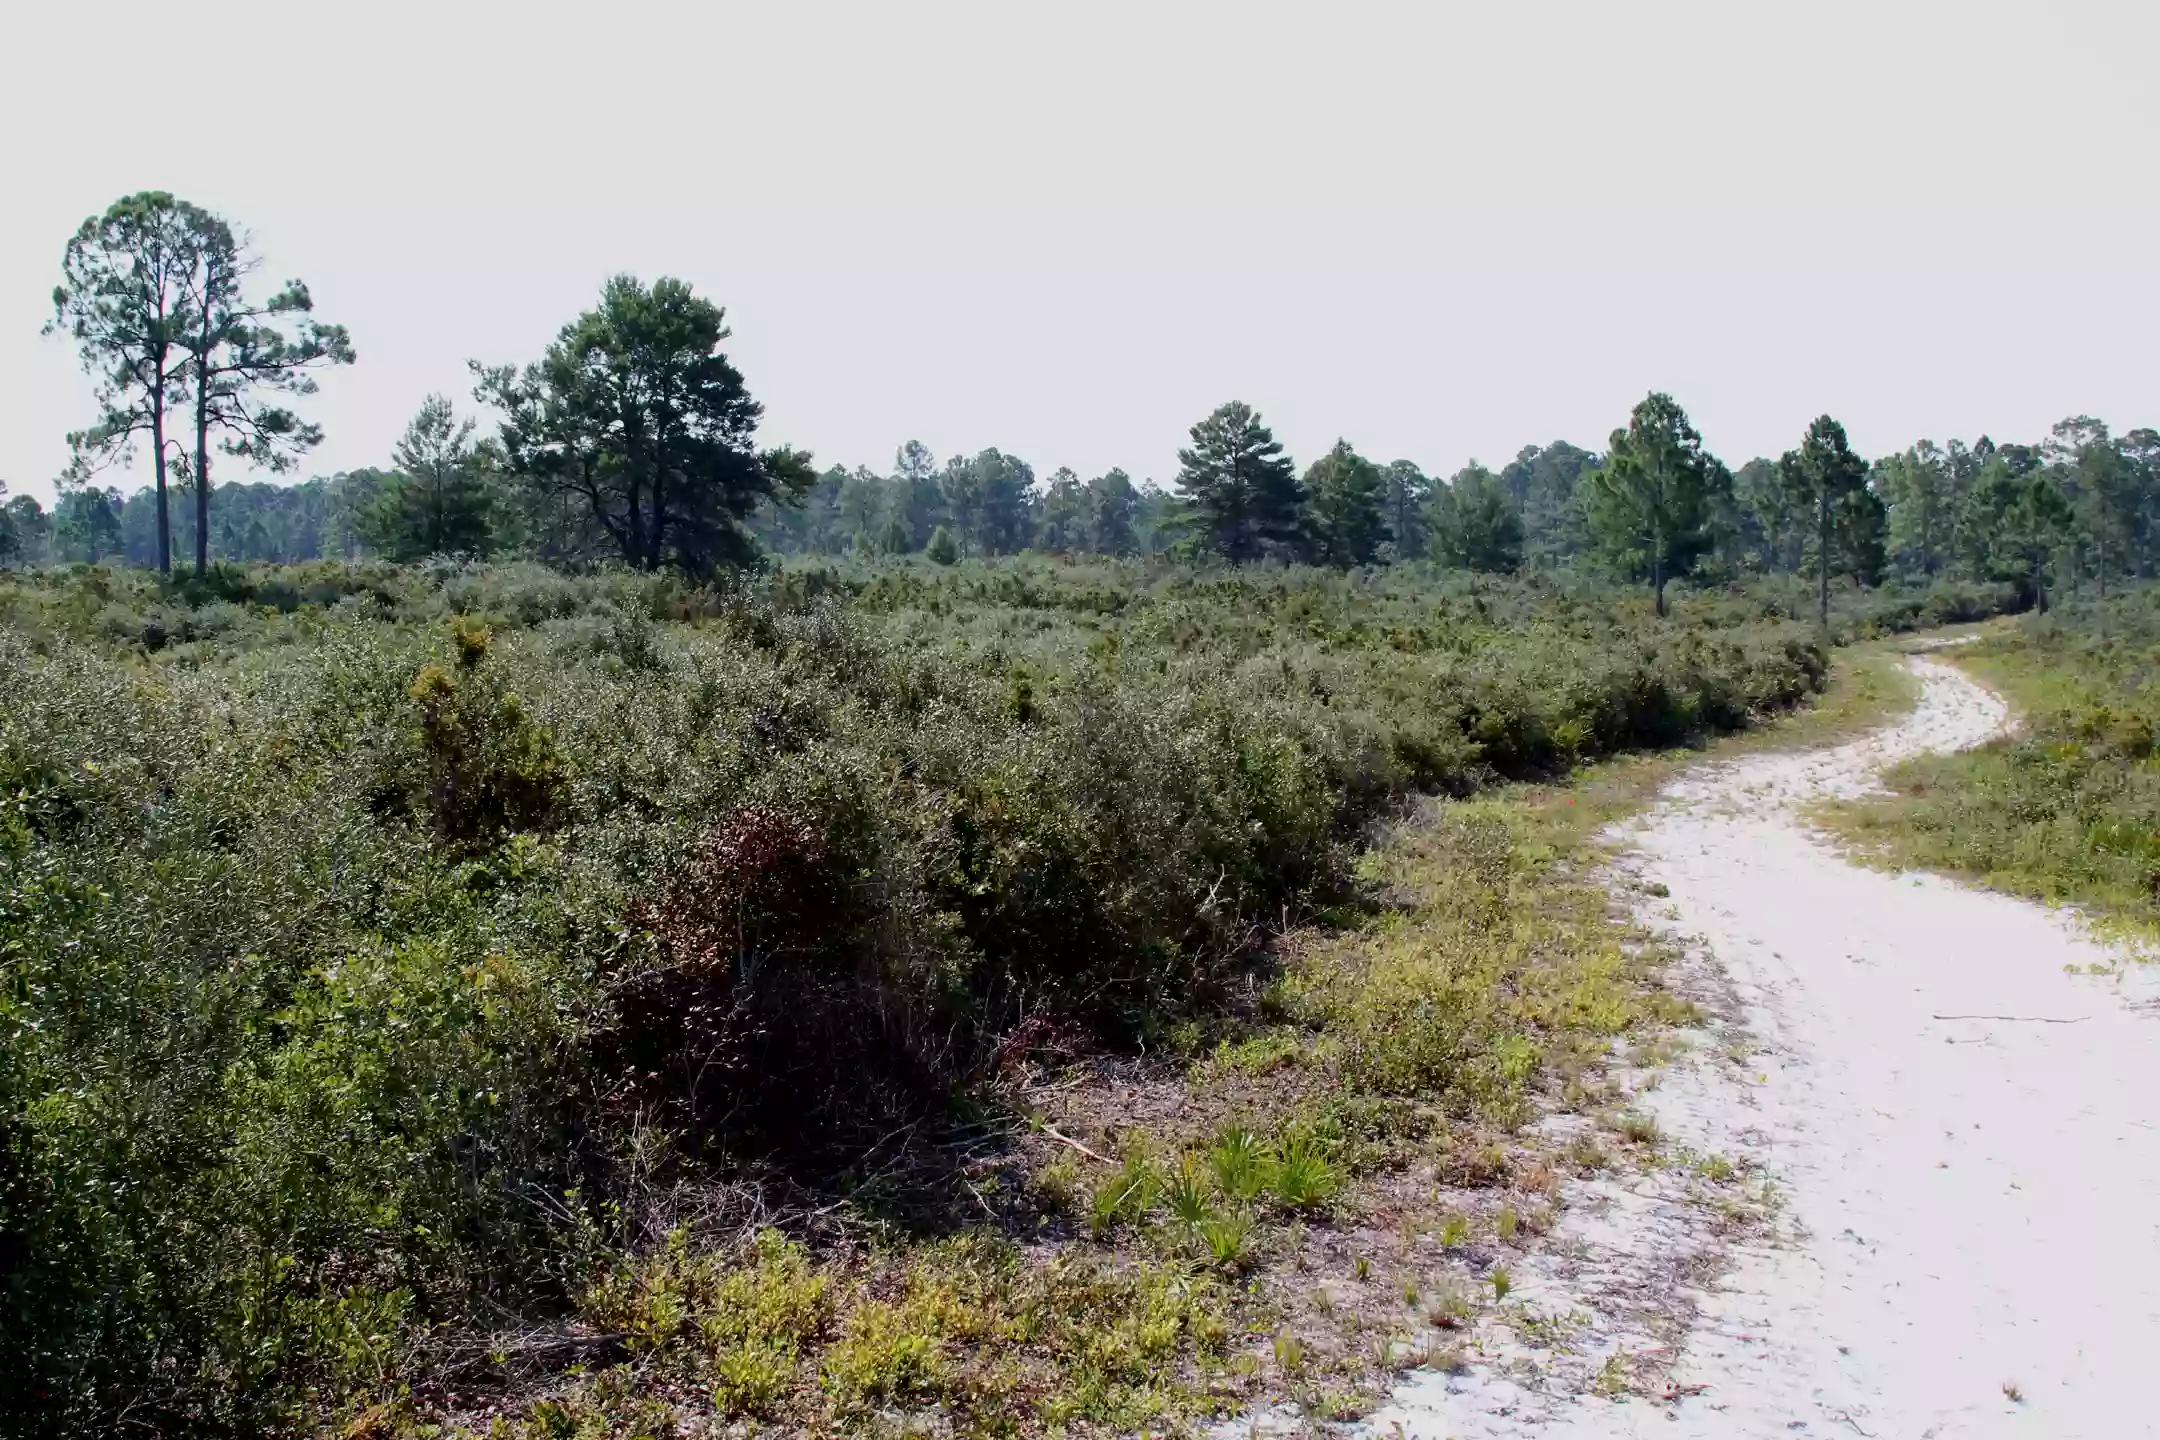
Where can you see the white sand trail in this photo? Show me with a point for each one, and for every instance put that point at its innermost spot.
(1974, 1246)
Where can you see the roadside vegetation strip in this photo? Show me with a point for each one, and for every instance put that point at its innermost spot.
(2065, 809)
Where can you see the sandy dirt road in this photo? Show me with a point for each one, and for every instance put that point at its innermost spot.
(1960, 1114)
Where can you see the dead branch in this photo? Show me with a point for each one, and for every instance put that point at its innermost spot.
(1063, 1139)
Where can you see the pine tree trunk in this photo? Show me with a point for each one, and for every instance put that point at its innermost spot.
(202, 492)
(1822, 555)
(634, 528)
(164, 512)
(659, 524)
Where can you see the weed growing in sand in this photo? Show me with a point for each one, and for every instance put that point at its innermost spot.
(1501, 1284)
(1449, 1307)
(1446, 1356)
(1715, 1168)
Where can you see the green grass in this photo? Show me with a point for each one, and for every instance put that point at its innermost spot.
(2067, 809)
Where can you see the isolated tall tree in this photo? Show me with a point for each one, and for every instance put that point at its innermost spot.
(244, 355)
(1649, 507)
(1825, 476)
(123, 298)
(1475, 523)
(1409, 495)
(1345, 506)
(437, 500)
(636, 414)
(1242, 490)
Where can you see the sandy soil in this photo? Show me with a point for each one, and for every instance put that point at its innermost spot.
(1953, 1095)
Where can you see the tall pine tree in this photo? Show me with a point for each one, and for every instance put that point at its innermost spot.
(1241, 491)
(637, 418)
(1649, 507)
(123, 298)
(1825, 478)
(1345, 497)
(437, 500)
(245, 354)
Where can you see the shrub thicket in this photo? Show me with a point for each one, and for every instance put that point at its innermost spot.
(363, 924)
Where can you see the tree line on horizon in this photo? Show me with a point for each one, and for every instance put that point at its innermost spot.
(633, 440)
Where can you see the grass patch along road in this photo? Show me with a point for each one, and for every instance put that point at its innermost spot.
(2066, 808)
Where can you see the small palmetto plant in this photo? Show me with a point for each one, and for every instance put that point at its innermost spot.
(1185, 1191)
(1241, 1164)
(1228, 1237)
(1126, 1196)
(1303, 1176)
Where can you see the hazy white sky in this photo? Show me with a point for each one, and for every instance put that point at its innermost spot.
(1440, 230)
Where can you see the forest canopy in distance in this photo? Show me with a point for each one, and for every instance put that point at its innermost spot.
(633, 440)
